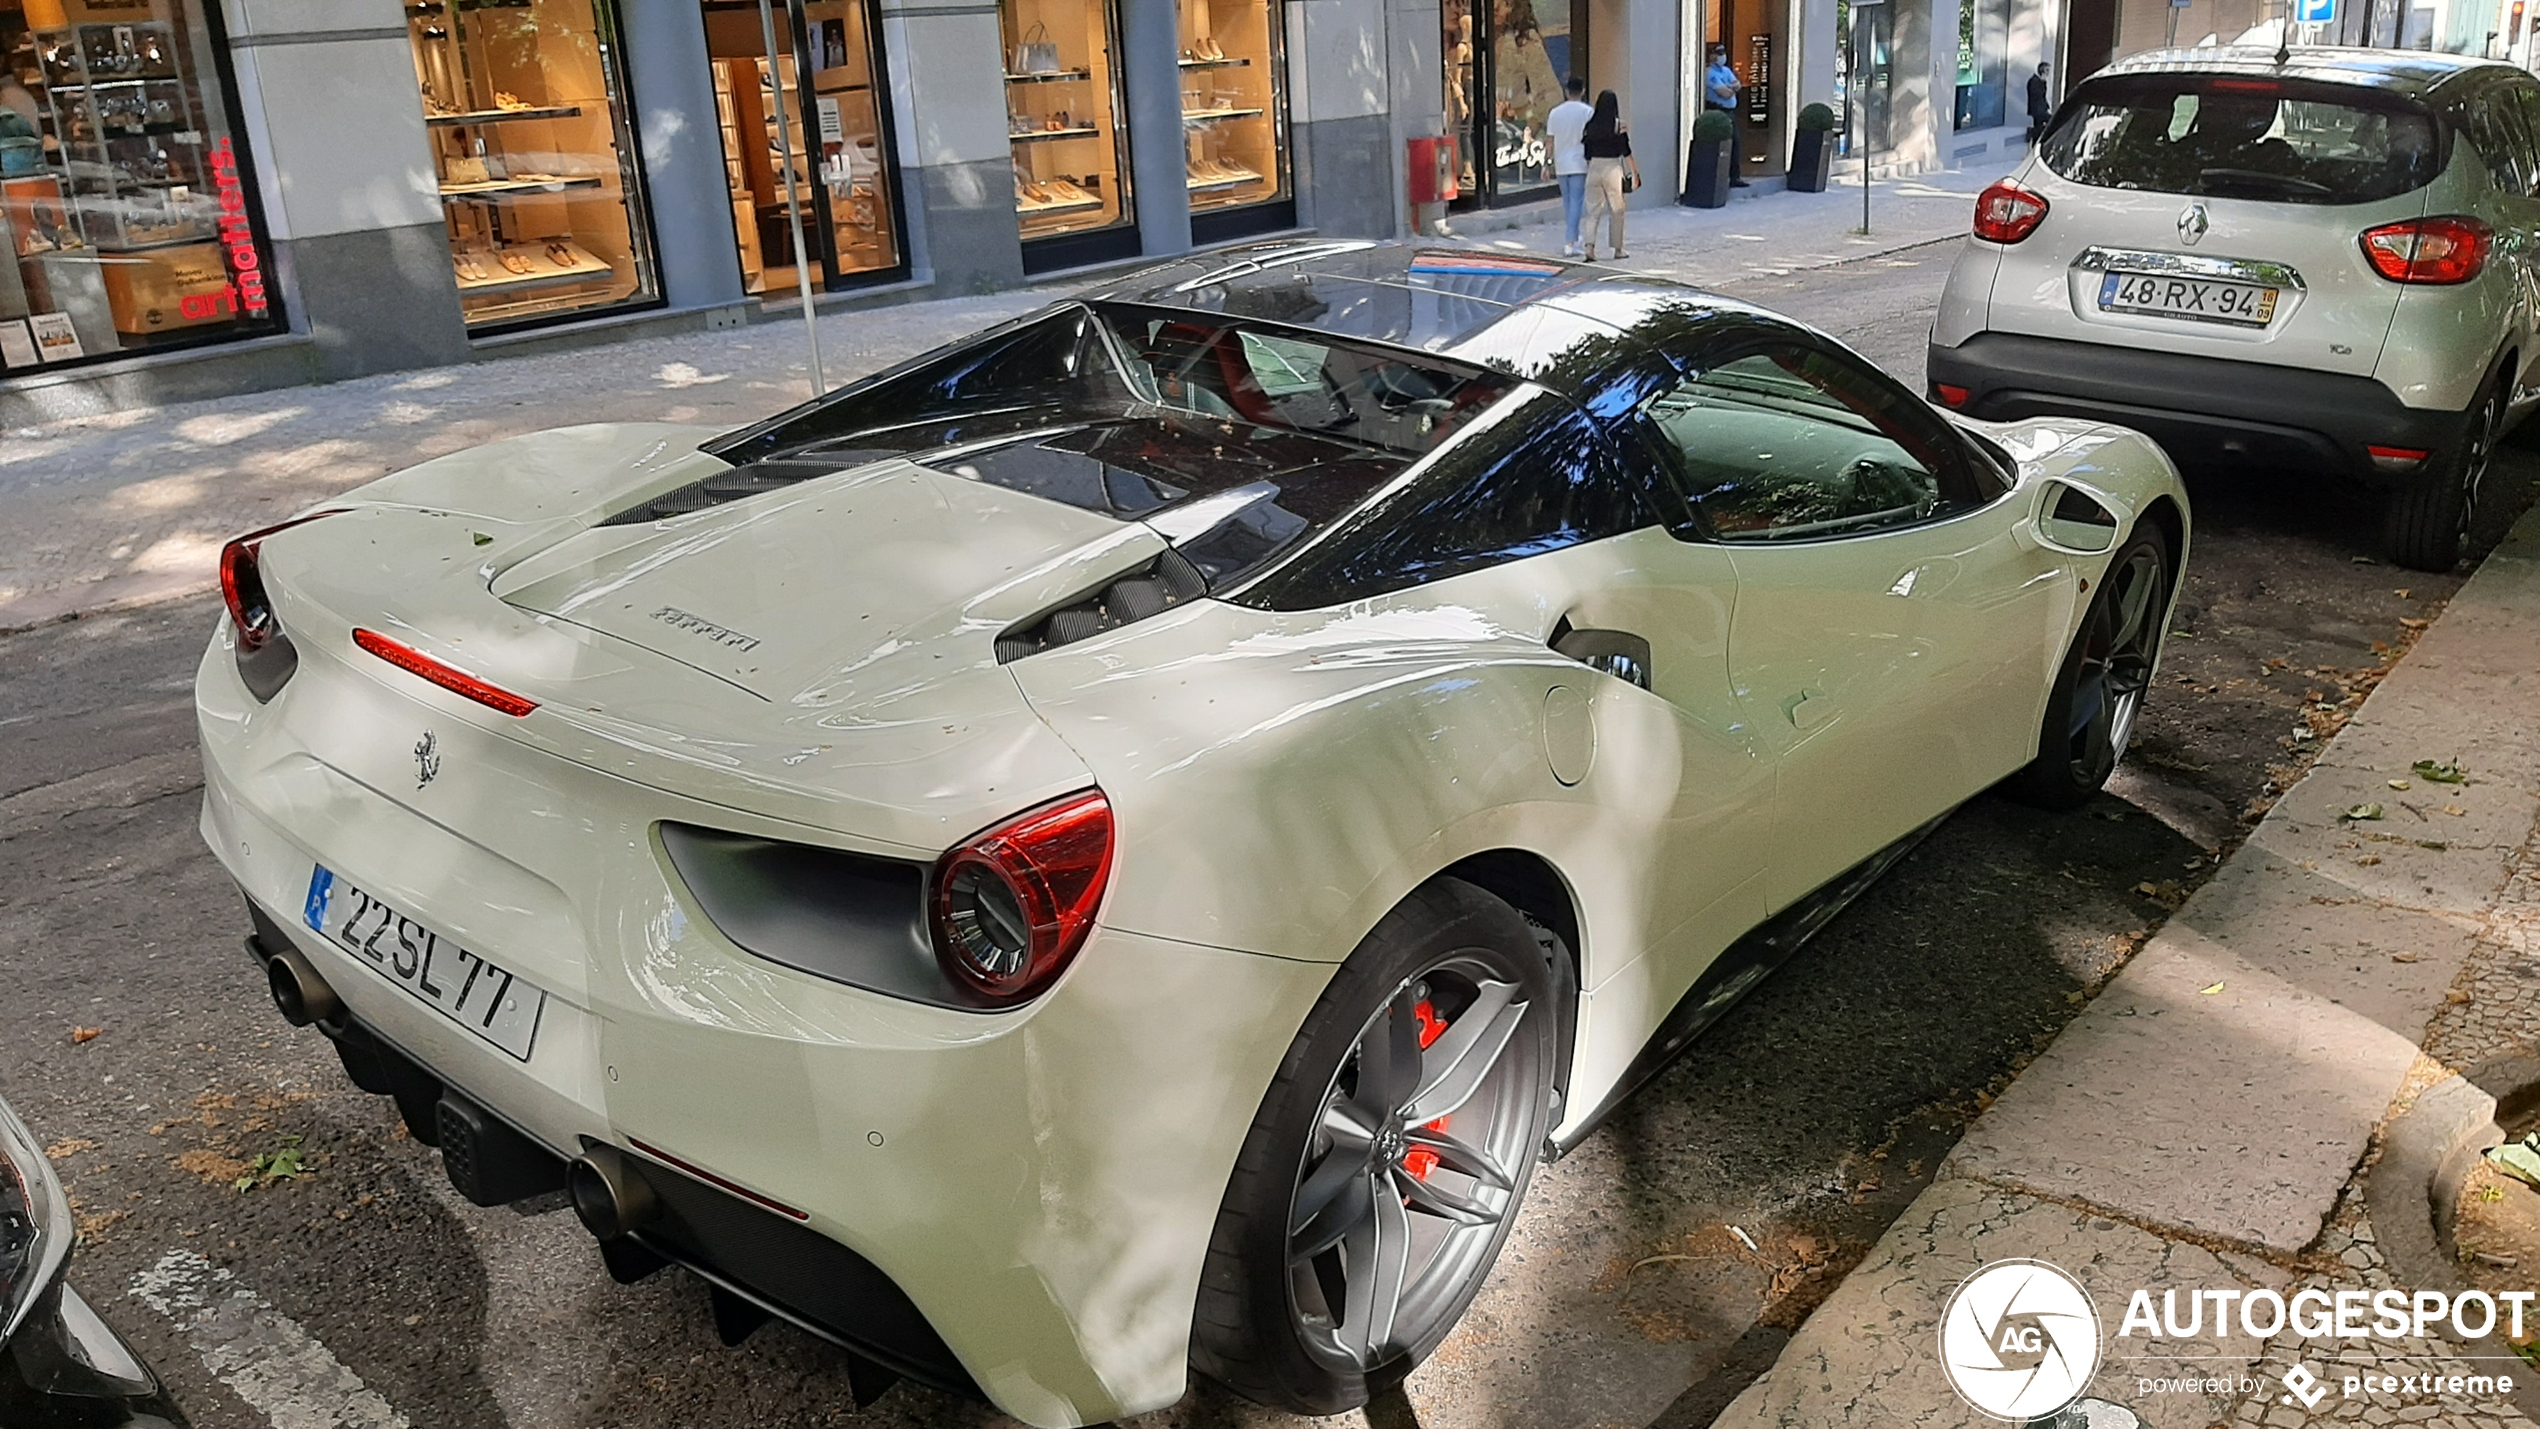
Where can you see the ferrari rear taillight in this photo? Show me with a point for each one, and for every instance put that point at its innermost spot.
(2451, 249)
(2007, 213)
(447, 676)
(1013, 905)
(242, 584)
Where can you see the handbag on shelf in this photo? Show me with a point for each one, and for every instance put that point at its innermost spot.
(467, 169)
(1036, 55)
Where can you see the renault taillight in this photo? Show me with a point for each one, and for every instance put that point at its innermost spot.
(2007, 213)
(2451, 249)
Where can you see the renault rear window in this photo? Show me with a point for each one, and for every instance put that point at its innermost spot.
(2230, 136)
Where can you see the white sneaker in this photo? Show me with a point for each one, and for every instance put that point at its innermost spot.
(1569, 250)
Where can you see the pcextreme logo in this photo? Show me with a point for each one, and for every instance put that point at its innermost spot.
(2019, 1340)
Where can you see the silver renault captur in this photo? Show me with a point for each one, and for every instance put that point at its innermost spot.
(2321, 258)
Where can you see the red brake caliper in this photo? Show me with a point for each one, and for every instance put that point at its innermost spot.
(1420, 1160)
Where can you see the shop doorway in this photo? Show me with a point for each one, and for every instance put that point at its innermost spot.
(2090, 41)
(823, 74)
(1506, 61)
(1752, 31)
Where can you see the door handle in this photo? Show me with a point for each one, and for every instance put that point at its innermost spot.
(1618, 653)
(1809, 708)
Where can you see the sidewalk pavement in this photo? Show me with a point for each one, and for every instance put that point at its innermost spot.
(2202, 1123)
(125, 507)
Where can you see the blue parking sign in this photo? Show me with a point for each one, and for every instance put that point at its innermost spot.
(2314, 12)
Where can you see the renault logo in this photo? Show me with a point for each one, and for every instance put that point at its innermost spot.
(2192, 224)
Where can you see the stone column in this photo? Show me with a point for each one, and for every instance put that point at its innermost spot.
(1151, 79)
(328, 102)
(672, 80)
(947, 62)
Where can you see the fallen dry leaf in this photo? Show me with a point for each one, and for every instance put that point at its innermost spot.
(2414, 624)
(2456, 997)
(2454, 810)
(2406, 957)
(2209, 991)
(85, 1034)
(68, 1147)
(2398, 783)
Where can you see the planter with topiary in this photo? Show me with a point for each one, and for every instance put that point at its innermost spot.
(1812, 153)
(1710, 161)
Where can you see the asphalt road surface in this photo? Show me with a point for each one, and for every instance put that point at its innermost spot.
(1629, 1293)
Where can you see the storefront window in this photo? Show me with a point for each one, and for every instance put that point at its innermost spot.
(1234, 108)
(1530, 58)
(124, 203)
(1506, 63)
(1062, 93)
(834, 126)
(526, 109)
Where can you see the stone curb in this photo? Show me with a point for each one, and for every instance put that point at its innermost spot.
(2413, 1191)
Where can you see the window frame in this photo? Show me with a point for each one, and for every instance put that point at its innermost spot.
(1961, 463)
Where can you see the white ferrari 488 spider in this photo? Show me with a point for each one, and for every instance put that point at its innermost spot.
(1117, 846)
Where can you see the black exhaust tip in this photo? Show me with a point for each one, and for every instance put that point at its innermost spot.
(299, 994)
(610, 1197)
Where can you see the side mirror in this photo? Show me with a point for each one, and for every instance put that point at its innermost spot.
(2074, 521)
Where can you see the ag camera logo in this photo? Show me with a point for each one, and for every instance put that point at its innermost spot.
(2019, 1340)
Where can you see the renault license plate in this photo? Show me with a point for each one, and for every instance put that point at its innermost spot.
(496, 1005)
(2194, 299)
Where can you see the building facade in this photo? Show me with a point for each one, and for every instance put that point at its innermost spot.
(208, 196)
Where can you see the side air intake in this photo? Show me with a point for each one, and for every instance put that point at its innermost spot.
(1152, 589)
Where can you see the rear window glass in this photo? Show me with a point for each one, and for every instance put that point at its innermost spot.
(2224, 137)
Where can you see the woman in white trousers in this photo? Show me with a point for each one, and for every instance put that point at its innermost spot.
(1609, 155)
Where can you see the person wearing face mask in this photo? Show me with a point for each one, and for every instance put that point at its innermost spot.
(1719, 91)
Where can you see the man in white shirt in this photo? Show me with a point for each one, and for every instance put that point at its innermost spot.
(1569, 158)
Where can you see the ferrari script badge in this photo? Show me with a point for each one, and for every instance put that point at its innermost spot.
(427, 759)
(2192, 224)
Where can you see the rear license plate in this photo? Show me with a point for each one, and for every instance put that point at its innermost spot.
(2195, 299)
(496, 1005)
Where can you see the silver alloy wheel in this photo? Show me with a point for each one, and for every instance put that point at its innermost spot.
(1413, 1168)
(2119, 639)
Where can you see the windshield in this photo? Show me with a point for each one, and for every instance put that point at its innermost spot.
(2286, 141)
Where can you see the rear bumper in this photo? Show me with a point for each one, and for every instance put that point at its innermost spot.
(1040, 1184)
(2200, 409)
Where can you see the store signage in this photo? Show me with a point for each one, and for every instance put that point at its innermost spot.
(246, 290)
(1759, 79)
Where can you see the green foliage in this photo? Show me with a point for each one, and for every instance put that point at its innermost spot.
(280, 1164)
(1816, 119)
(1714, 127)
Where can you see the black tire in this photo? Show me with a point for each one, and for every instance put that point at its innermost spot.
(1263, 1326)
(2427, 523)
(2090, 712)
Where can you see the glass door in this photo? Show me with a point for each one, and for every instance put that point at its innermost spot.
(1062, 103)
(822, 79)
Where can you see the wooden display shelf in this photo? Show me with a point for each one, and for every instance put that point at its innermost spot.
(1212, 116)
(1048, 76)
(545, 275)
(1029, 209)
(496, 190)
(1199, 185)
(498, 116)
(1042, 135)
(1230, 62)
